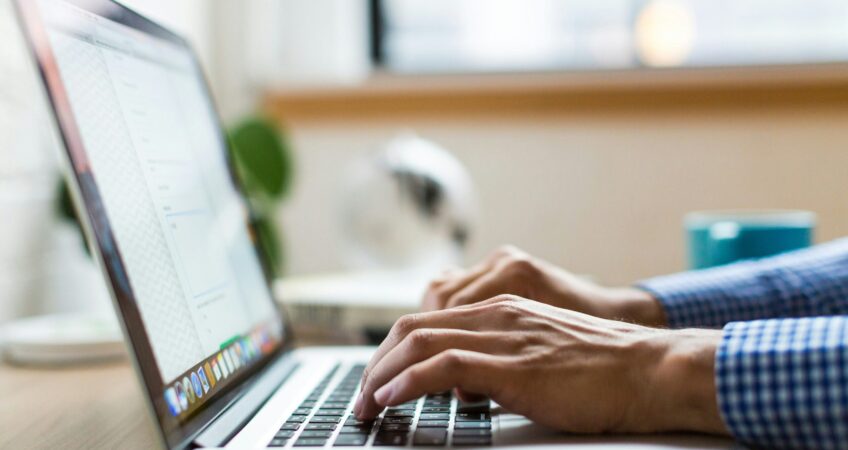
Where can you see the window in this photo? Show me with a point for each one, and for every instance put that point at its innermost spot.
(455, 36)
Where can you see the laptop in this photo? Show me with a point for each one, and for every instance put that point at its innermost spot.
(148, 165)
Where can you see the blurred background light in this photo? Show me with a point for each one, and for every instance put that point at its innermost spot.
(665, 32)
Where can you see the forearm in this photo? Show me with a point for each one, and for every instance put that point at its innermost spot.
(806, 283)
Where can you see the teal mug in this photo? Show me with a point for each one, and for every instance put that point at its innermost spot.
(716, 238)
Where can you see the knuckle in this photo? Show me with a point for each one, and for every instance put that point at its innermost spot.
(509, 309)
(405, 324)
(452, 359)
(420, 338)
(521, 267)
(436, 283)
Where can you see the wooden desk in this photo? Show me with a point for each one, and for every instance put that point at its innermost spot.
(82, 408)
(91, 407)
(86, 407)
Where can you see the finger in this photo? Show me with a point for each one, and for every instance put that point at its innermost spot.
(447, 275)
(473, 372)
(423, 344)
(468, 397)
(487, 286)
(469, 317)
(461, 320)
(441, 289)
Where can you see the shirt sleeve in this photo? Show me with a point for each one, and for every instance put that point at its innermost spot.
(810, 282)
(783, 383)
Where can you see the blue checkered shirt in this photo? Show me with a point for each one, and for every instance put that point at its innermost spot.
(782, 365)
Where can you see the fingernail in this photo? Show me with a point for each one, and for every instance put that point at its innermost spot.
(358, 405)
(384, 394)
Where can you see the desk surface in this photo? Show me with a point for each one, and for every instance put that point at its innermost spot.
(93, 407)
(74, 408)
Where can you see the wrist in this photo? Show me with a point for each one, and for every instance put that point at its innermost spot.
(637, 306)
(683, 383)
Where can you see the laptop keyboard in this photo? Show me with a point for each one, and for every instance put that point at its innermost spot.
(433, 421)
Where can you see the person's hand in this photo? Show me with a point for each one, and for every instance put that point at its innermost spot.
(561, 368)
(512, 271)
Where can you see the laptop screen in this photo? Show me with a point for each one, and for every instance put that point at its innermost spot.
(151, 161)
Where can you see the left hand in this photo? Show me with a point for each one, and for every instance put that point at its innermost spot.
(512, 271)
(564, 369)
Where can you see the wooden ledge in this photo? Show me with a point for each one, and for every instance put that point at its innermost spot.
(392, 96)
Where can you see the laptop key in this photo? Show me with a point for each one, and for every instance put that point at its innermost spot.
(351, 440)
(472, 432)
(324, 419)
(387, 420)
(433, 423)
(437, 402)
(472, 417)
(310, 442)
(430, 436)
(326, 409)
(296, 419)
(290, 426)
(316, 433)
(284, 434)
(434, 416)
(410, 408)
(395, 427)
(435, 409)
(320, 426)
(278, 442)
(396, 439)
(478, 425)
(473, 407)
(356, 430)
(400, 413)
(354, 421)
(303, 411)
(460, 441)
(308, 404)
(334, 405)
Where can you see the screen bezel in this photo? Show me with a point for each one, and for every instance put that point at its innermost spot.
(88, 201)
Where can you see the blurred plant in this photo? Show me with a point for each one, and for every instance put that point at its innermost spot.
(263, 162)
(67, 212)
(264, 165)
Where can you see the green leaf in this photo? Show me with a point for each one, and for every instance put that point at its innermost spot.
(263, 158)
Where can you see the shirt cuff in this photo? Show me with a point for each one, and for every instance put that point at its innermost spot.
(713, 297)
(783, 383)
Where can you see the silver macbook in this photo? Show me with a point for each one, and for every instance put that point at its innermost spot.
(162, 208)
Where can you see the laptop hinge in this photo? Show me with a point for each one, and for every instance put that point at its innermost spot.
(232, 420)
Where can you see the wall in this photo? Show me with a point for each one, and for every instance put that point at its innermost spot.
(601, 194)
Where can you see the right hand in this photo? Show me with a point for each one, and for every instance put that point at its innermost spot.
(512, 271)
(547, 364)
